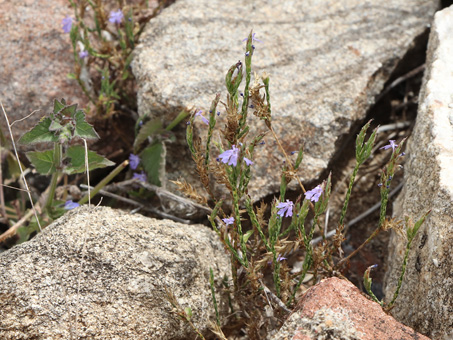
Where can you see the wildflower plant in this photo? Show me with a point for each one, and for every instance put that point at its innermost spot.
(103, 35)
(65, 124)
(255, 237)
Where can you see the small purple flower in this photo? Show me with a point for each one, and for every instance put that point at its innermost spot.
(83, 54)
(314, 194)
(140, 176)
(230, 157)
(229, 220)
(203, 118)
(253, 38)
(280, 258)
(116, 17)
(391, 145)
(285, 208)
(134, 160)
(67, 24)
(247, 161)
(71, 205)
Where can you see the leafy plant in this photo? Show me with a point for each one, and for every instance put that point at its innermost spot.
(64, 124)
(103, 35)
(260, 239)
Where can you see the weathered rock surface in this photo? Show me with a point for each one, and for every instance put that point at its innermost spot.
(327, 63)
(426, 301)
(99, 273)
(336, 309)
(36, 59)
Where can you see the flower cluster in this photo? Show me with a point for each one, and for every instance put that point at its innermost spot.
(231, 156)
(134, 161)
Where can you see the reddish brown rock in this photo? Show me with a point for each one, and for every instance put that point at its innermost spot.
(36, 59)
(336, 309)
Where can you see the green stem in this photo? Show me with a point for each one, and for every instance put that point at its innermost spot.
(348, 194)
(58, 151)
(400, 280)
(104, 182)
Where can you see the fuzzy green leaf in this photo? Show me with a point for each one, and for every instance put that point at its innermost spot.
(42, 161)
(39, 134)
(152, 160)
(148, 129)
(82, 128)
(76, 157)
(57, 106)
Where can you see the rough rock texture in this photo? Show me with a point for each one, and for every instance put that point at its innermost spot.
(327, 61)
(108, 269)
(36, 58)
(336, 309)
(426, 301)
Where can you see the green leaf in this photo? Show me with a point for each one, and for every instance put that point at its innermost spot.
(247, 235)
(76, 157)
(71, 76)
(82, 128)
(152, 160)
(39, 134)
(148, 129)
(57, 106)
(42, 161)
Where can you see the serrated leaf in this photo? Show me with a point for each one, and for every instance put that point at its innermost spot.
(152, 160)
(69, 110)
(76, 157)
(57, 106)
(42, 161)
(82, 128)
(55, 126)
(148, 129)
(39, 134)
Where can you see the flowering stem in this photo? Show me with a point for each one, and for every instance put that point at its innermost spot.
(288, 161)
(348, 194)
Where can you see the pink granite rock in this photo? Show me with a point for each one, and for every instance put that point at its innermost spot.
(336, 309)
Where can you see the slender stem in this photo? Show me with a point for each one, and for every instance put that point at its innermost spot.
(373, 235)
(57, 156)
(104, 182)
(348, 194)
(403, 271)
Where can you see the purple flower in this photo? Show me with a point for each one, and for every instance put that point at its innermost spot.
(247, 161)
(134, 160)
(140, 176)
(71, 205)
(314, 194)
(229, 220)
(67, 24)
(280, 258)
(230, 157)
(83, 54)
(391, 145)
(204, 119)
(116, 17)
(253, 38)
(285, 207)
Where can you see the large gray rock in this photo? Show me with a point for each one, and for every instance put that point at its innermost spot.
(36, 57)
(426, 301)
(99, 273)
(328, 60)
